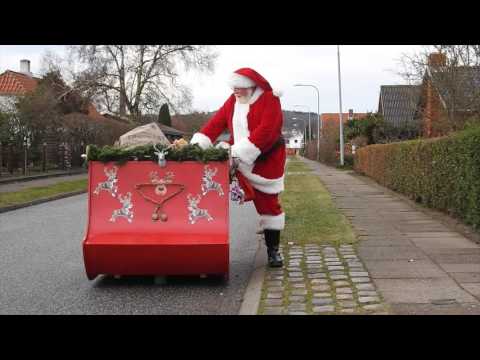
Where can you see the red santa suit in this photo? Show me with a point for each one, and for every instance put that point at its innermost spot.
(256, 129)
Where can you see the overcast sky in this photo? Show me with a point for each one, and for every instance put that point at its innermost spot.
(364, 68)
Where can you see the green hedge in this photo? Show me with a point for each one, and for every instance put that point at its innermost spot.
(442, 173)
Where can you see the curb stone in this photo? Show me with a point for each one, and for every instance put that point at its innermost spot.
(42, 176)
(253, 292)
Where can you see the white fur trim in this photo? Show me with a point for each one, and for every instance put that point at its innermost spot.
(202, 140)
(240, 81)
(272, 222)
(245, 150)
(256, 94)
(240, 122)
(267, 186)
(223, 145)
(277, 92)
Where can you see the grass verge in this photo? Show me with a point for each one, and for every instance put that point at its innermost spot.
(40, 192)
(310, 218)
(310, 214)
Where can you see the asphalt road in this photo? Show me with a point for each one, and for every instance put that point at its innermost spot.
(42, 271)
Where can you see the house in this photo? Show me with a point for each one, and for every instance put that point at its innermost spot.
(449, 94)
(14, 84)
(190, 123)
(294, 141)
(397, 104)
(171, 133)
(330, 123)
(332, 120)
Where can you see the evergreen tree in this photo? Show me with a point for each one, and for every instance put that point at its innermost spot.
(164, 115)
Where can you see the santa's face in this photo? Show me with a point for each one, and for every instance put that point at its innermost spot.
(243, 94)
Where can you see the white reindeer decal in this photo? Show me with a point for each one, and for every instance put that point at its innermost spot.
(111, 184)
(126, 210)
(208, 184)
(195, 212)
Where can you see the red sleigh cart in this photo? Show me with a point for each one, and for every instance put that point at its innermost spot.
(145, 219)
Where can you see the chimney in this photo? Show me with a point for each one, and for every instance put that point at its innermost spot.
(437, 59)
(25, 67)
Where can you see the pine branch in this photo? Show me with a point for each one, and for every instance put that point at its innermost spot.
(147, 153)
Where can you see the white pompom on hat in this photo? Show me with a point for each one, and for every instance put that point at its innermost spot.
(239, 81)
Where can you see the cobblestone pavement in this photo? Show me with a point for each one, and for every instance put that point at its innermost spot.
(320, 279)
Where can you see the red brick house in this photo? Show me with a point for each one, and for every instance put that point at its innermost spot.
(449, 94)
(14, 84)
(331, 120)
(329, 149)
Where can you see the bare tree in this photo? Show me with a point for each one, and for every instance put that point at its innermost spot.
(457, 81)
(413, 65)
(133, 78)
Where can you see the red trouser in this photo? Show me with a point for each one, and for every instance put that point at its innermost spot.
(267, 204)
(270, 211)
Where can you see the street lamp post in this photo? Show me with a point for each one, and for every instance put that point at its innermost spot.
(340, 104)
(318, 118)
(309, 122)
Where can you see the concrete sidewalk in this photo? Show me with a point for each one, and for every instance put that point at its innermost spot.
(418, 264)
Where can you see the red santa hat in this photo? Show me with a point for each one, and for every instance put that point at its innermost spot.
(246, 77)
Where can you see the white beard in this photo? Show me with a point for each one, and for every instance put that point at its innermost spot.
(245, 99)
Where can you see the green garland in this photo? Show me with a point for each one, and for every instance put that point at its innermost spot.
(147, 152)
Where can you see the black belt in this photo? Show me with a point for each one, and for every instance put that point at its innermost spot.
(279, 142)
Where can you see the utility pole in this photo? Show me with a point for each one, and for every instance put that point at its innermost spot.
(340, 105)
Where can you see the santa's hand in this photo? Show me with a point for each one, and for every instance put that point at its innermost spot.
(235, 162)
(233, 167)
(202, 140)
(246, 151)
(222, 145)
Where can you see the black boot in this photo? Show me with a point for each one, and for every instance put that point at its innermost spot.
(272, 240)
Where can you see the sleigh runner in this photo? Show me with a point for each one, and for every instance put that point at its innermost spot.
(147, 219)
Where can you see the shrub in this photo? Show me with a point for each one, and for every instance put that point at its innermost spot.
(375, 130)
(441, 173)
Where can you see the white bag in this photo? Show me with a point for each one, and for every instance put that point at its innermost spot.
(149, 134)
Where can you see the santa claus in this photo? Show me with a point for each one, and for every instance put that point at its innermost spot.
(253, 116)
